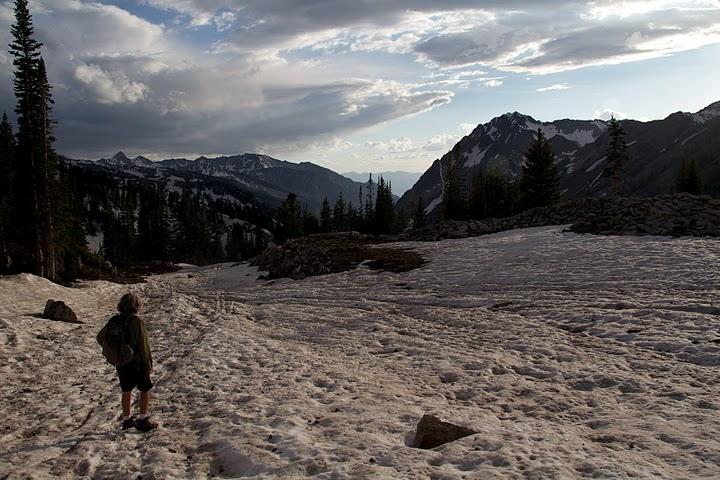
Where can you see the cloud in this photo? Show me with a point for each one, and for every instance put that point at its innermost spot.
(555, 87)
(607, 114)
(221, 76)
(493, 83)
(515, 35)
(109, 87)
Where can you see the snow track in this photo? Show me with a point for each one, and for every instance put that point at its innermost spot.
(573, 356)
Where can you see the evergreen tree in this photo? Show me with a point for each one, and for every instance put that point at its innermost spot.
(369, 216)
(688, 179)
(540, 183)
(325, 216)
(310, 222)
(153, 241)
(384, 209)
(419, 218)
(291, 224)
(36, 167)
(340, 214)
(492, 196)
(7, 206)
(616, 155)
(453, 203)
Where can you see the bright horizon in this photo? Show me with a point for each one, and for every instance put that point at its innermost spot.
(355, 88)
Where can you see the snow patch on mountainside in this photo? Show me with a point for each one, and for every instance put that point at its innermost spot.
(581, 137)
(708, 113)
(476, 156)
(692, 136)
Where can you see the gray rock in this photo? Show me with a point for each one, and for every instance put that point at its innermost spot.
(60, 312)
(432, 432)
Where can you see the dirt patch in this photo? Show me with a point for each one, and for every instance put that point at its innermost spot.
(324, 254)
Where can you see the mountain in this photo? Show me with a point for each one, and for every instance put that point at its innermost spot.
(122, 161)
(401, 181)
(267, 178)
(656, 150)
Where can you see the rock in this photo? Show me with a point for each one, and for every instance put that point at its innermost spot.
(678, 214)
(60, 312)
(432, 432)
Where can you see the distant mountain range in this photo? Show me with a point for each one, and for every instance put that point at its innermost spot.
(655, 151)
(268, 179)
(401, 181)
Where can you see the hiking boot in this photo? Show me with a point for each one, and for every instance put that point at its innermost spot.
(129, 423)
(145, 424)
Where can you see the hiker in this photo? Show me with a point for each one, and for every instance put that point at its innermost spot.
(125, 345)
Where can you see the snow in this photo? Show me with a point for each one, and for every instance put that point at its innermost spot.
(94, 241)
(692, 136)
(595, 165)
(581, 137)
(476, 156)
(708, 113)
(571, 355)
(433, 205)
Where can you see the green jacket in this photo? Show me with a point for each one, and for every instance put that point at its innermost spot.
(138, 340)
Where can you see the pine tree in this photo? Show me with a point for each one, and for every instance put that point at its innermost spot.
(540, 183)
(419, 220)
(453, 203)
(340, 214)
(325, 216)
(492, 196)
(153, 242)
(369, 204)
(7, 206)
(384, 209)
(36, 167)
(616, 155)
(290, 218)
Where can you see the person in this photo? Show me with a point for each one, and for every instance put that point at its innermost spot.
(136, 374)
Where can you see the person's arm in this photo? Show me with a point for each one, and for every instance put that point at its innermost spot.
(139, 341)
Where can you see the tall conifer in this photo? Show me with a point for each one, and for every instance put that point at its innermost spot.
(540, 182)
(616, 155)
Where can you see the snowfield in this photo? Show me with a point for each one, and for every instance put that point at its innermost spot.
(571, 355)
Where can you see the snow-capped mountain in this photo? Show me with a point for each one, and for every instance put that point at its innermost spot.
(123, 161)
(266, 177)
(656, 150)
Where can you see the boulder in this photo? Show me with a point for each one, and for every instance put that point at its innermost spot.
(432, 432)
(60, 312)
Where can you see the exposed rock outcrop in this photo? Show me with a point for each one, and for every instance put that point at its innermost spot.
(60, 312)
(668, 215)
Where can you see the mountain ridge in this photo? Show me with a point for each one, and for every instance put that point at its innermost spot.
(655, 152)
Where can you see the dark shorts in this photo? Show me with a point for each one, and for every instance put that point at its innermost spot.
(131, 376)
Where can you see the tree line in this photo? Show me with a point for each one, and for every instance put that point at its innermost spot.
(374, 214)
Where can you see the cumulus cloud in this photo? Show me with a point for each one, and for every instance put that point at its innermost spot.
(607, 114)
(555, 87)
(109, 87)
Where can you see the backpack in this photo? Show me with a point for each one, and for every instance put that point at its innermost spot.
(112, 339)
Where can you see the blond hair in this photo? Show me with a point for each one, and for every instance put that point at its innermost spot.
(129, 303)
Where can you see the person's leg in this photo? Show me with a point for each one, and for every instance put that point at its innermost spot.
(144, 403)
(126, 400)
(144, 423)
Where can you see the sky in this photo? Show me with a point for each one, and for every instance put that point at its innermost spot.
(356, 85)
